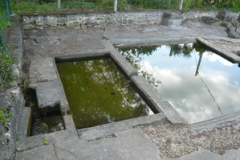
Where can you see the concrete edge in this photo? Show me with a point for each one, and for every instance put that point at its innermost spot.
(82, 55)
(29, 143)
(151, 41)
(111, 128)
(218, 122)
(119, 60)
(225, 54)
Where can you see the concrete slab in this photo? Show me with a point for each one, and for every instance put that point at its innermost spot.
(205, 154)
(42, 70)
(193, 156)
(111, 128)
(131, 144)
(218, 122)
(231, 155)
(49, 94)
(224, 53)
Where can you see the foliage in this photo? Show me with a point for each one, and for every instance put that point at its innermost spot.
(23, 7)
(2, 116)
(4, 23)
(44, 140)
(188, 4)
(6, 61)
(233, 5)
(3, 113)
(81, 4)
(134, 55)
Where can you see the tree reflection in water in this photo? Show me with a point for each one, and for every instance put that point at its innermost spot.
(134, 56)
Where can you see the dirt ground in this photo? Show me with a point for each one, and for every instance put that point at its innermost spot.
(176, 142)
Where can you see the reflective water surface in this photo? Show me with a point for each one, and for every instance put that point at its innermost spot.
(200, 84)
(98, 93)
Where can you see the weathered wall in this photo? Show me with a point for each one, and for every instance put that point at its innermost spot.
(89, 20)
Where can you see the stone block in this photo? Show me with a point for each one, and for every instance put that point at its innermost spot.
(238, 29)
(29, 26)
(209, 20)
(70, 25)
(77, 23)
(49, 94)
(225, 15)
(219, 23)
(171, 22)
(62, 20)
(235, 21)
(172, 15)
(226, 24)
(83, 26)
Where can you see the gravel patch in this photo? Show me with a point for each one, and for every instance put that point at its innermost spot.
(175, 142)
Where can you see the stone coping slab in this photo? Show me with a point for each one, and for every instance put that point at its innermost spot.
(218, 122)
(111, 128)
(131, 144)
(224, 53)
(151, 41)
(42, 70)
(49, 94)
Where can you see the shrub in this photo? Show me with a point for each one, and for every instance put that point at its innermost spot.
(6, 61)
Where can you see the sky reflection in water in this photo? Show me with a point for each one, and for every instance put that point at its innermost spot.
(200, 95)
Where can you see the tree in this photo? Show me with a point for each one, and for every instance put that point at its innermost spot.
(180, 5)
(59, 4)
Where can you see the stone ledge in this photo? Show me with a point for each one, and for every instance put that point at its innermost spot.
(111, 128)
(49, 94)
(218, 122)
(224, 53)
(151, 41)
(124, 65)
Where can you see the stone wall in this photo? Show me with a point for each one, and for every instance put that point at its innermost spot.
(90, 20)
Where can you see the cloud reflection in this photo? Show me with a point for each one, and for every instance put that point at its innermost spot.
(213, 92)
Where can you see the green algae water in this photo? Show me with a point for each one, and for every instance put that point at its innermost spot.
(42, 123)
(198, 83)
(98, 93)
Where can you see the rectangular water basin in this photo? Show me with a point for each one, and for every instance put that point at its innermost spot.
(198, 83)
(98, 93)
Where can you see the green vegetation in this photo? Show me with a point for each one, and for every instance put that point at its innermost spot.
(3, 113)
(6, 61)
(75, 5)
(44, 140)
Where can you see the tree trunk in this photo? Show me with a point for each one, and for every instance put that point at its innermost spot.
(115, 5)
(59, 4)
(180, 5)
